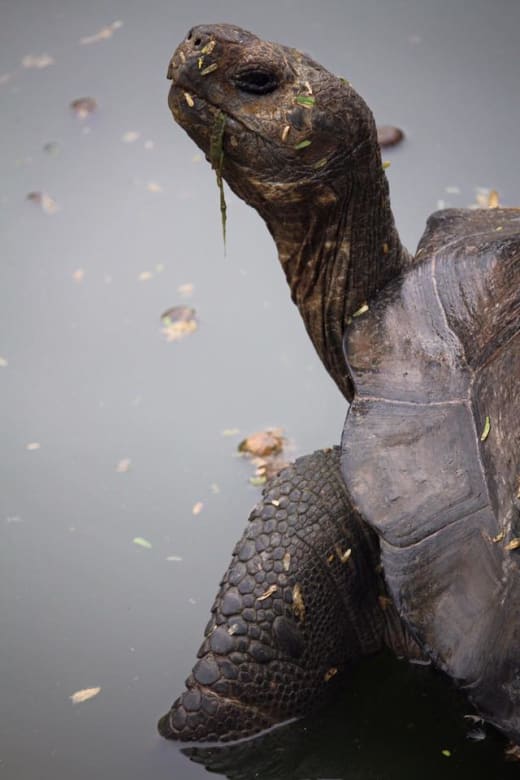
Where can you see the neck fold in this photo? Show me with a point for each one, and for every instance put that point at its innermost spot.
(338, 251)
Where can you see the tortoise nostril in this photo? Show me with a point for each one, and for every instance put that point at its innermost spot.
(189, 36)
(197, 42)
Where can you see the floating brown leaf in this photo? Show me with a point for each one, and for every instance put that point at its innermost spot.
(388, 135)
(263, 443)
(83, 107)
(178, 322)
(47, 203)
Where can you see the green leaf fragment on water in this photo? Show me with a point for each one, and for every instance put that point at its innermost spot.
(305, 100)
(258, 481)
(486, 429)
(302, 144)
(216, 157)
(141, 542)
(386, 165)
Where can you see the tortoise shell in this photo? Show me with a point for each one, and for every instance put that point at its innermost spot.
(431, 448)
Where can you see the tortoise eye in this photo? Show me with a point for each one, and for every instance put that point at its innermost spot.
(256, 81)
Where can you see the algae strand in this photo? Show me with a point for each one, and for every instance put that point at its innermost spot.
(216, 156)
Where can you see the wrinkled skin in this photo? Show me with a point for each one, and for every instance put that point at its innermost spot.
(428, 352)
(301, 599)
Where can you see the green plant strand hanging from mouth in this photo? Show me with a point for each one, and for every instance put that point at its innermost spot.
(216, 156)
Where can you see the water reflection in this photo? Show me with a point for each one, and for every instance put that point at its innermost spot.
(392, 721)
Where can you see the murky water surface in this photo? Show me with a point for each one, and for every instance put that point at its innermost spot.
(112, 432)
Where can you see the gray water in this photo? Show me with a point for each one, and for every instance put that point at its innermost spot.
(110, 433)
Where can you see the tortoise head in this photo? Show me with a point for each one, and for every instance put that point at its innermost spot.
(289, 129)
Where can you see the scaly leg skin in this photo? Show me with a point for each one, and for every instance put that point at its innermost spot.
(301, 598)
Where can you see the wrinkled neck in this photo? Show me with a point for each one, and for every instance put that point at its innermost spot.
(338, 252)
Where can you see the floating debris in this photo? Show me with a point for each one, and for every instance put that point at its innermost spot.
(102, 35)
(84, 106)
(386, 165)
(343, 556)
(486, 429)
(362, 309)
(78, 275)
(32, 446)
(269, 592)
(123, 466)
(3, 362)
(210, 69)
(145, 276)
(476, 735)
(208, 48)
(178, 322)
(174, 558)
(512, 753)
(153, 186)
(84, 695)
(258, 480)
(142, 542)
(230, 432)
(46, 202)
(493, 200)
(486, 198)
(298, 603)
(387, 135)
(186, 290)
(197, 508)
(130, 137)
(52, 148)
(37, 61)
(330, 673)
(262, 443)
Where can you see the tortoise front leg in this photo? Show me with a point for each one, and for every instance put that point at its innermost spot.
(297, 603)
